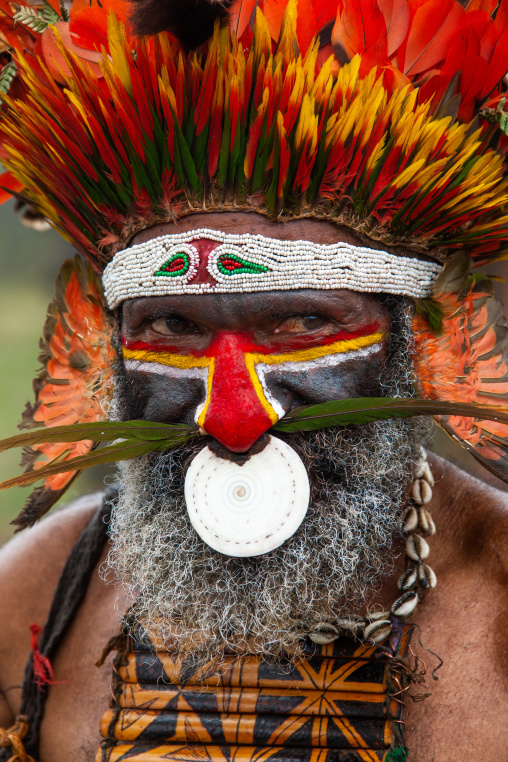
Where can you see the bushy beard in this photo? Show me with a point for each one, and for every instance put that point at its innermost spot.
(206, 603)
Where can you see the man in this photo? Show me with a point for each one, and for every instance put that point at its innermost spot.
(264, 578)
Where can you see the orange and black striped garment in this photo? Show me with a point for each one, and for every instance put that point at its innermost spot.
(336, 705)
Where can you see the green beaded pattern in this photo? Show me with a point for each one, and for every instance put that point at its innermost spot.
(231, 264)
(172, 268)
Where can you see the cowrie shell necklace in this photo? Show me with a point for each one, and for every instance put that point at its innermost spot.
(416, 579)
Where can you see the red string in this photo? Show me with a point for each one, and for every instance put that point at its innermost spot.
(43, 671)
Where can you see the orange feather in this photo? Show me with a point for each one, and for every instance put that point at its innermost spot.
(75, 382)
(468, 362)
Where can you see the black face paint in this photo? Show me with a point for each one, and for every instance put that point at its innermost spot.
(291, 348)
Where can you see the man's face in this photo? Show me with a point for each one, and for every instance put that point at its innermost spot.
(236, 363)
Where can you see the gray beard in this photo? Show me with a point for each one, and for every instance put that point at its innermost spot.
(206, 603)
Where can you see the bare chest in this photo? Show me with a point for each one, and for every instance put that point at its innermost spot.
(465, 715)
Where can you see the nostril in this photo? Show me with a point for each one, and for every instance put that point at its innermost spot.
(239, 457)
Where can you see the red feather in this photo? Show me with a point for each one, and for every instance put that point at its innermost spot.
(8, 186)
(396, 16)
(89, 28)
(464, 57)
(360, 28)
(240, 15)
(306, 24)
(498, 65)
(432, 28)
(325, 11)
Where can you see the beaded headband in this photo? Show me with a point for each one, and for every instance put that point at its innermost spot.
(209, 261)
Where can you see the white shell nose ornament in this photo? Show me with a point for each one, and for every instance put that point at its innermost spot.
(251, 509)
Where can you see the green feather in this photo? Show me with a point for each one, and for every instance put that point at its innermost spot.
(367, 409)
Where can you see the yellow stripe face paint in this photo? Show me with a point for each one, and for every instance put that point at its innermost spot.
(239, 406)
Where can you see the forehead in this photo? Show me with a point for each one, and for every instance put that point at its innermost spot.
(234, 254)
(307, 229)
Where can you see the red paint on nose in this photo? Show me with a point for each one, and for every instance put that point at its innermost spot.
(235, 415)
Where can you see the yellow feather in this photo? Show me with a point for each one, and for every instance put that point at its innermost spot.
(408, 174)
(286, 44)
(262, 41)
(116, 39)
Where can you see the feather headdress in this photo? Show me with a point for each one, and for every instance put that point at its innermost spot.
(383, 115)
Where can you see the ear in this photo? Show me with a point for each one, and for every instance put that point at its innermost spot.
(190, 21)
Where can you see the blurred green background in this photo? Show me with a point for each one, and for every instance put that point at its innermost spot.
(29, 262)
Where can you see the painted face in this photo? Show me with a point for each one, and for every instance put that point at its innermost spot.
(236, 363)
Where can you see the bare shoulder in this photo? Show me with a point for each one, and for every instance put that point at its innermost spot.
(464, 621)
(472, 517)
(31, 562)
(30, 566)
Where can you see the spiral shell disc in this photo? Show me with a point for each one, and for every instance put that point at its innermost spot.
(251, 509)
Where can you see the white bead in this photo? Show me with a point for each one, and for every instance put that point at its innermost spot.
(290, 265)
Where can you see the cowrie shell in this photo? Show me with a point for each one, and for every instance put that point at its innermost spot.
(428, 476)
(324, 634)
(427, 576)
(407, 579)
(350, 623)
(425, 522)
(248, 510)
(420, 464)
(420, 469)
(405, 605)
(378, 631)
(375, 616)
(417, 548)
(421, 492)
(410, 520)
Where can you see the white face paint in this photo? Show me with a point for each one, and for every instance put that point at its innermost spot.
(173, 371)
(251, 509)
(332, 360)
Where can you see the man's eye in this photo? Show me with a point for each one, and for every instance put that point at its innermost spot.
(172, 324)
(312, 322)
(301, 324)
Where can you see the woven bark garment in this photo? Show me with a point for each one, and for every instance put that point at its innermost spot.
(333, 705)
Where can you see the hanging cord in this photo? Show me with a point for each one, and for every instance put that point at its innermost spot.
(43, 671)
